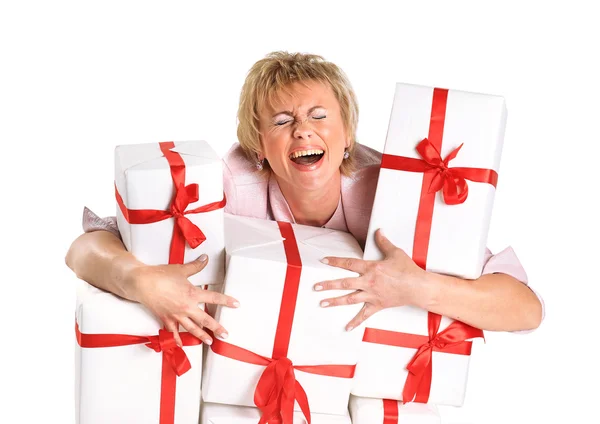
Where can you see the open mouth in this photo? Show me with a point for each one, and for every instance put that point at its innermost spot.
(307, 157)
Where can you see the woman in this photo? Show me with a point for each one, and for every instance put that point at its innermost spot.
(298, 161)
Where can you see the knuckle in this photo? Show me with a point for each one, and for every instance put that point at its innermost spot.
(351, 299)
(345, 283)
(370, 282)
(206, 320)
(379, 268)
(348, 263)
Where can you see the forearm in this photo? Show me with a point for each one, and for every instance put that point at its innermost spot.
(100, 258)
(494, 302)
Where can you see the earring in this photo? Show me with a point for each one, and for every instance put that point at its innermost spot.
(259, 165)
(346, 154)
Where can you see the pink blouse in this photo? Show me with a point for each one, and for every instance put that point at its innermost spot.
(256, 195)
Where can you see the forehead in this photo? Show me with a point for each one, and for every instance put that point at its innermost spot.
(300, 95)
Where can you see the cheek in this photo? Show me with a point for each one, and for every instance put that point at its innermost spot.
(274, 146)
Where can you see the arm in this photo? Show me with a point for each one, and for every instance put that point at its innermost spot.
(494, 302)
(99, 257)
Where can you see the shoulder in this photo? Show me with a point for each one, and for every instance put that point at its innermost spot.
(361, 184)
(238, 167)
(358, 191)
(245, 188)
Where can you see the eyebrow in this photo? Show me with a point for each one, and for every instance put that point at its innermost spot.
(289, 112)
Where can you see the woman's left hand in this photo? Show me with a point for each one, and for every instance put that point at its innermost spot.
(394, 281)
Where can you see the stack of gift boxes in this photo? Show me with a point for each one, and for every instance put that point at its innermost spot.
(287, 360)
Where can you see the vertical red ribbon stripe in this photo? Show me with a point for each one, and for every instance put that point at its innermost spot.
(390, 411)
(174, 360)
(184, 230)
(277, 389)
(437, 175)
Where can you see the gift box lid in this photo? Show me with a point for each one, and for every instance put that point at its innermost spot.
(262, 239)
(149, 156)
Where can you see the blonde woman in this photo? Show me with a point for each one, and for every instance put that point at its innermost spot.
(298, 161)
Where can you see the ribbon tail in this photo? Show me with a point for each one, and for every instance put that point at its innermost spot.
(303, 401)
(177, 250)
(422, 395)
(191, 232)
(167, 392)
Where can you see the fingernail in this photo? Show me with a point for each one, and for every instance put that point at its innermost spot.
(236, 304)
(349, 328)
(318, 287)
(203, 257)
(223, 335)
(381, 233)
(208, 342)
(324, 303)
(325, 261)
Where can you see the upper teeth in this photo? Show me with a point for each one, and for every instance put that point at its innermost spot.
(306, 153)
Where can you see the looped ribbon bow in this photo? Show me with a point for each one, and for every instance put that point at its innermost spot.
(452, 181)
(418, 382)
(184, 196)
(174, 355)
(163, 342)
(276, 392)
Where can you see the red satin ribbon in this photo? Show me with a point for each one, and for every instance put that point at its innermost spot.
(175, 362)
(452, 181)
(183, 229)
(452, 340)
(390, 411)
(277, 388)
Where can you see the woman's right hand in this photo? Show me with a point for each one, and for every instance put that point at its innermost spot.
(166, 291)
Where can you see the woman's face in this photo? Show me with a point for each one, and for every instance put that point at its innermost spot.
(303, 136)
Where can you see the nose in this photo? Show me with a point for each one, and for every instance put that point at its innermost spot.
(303, 131)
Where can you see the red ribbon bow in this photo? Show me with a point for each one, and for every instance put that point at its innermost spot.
(452, 181)
(184, 230)
(175, 356)
(418, 382)
(175, 362)
(276, 392)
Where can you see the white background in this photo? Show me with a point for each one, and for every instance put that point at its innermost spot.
(79, 78)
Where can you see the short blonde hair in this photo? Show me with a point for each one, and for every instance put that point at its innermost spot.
(270, 75)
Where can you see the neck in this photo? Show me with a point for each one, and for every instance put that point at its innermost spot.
(313, 207)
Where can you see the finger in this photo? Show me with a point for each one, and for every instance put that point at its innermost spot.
(352, 264)
(352, 283)
(367, 311)
(195, 266)
(385, 245)
(202, 319)
(348, 299)
(194, 329)
(215, 298)
(172, 326)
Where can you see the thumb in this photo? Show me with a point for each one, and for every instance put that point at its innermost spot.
(195, 266)
(386, 246)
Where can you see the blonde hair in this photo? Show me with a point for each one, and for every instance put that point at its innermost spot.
(270, 75)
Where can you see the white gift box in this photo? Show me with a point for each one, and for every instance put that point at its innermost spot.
(459, 232)
(381, 371)
(214, 413)
(143, 180)
(122, 384)
(256, 276)
(372, 411)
